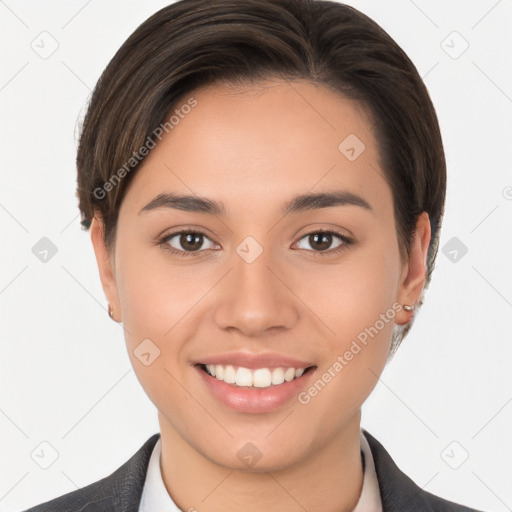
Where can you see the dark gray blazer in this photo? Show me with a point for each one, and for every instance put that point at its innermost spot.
(122, 490)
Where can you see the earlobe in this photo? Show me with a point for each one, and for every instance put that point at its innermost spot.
(105, 264)
(415, 271)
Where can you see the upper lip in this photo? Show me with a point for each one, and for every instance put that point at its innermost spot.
(254, 361)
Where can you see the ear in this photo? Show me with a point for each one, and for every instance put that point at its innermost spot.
(414, 273)
(106, 265)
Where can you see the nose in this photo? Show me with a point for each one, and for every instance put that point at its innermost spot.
(256, 299)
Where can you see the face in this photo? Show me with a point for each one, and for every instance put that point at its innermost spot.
(263, 283)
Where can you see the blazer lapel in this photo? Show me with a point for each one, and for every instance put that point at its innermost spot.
(121, 491)
(398, 491)
(125, 485)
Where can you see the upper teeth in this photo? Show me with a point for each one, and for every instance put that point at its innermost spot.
(260, 378)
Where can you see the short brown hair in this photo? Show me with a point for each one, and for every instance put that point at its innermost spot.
(193, 43)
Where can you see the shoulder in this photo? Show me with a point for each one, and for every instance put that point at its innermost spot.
(120, 491)
(399, 492)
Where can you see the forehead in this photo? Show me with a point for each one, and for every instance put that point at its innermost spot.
(251, 144)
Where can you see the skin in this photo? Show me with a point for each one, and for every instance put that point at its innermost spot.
(253, 148)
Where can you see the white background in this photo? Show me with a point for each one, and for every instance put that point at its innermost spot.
(65, 376)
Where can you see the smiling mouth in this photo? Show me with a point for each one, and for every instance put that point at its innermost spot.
(254, 378)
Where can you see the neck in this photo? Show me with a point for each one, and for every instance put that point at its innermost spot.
(329, 479)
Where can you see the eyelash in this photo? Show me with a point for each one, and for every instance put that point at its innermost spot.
(346, 242)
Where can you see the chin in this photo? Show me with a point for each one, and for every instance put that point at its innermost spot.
(250, 459)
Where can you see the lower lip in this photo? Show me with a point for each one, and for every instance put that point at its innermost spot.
(254, 400)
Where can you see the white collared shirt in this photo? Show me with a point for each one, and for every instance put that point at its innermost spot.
(155, 497)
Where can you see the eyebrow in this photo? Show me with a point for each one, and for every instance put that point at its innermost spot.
(297, 204)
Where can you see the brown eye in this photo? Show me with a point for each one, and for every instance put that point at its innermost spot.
(186, 241)
(191, 241)
(322, 241)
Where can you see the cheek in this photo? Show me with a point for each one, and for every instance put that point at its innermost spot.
(147, 294)
(351, 295)
(152, 304)
(356, 303)
(159, 298)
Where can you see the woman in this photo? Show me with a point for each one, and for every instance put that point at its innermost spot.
(264, 183)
